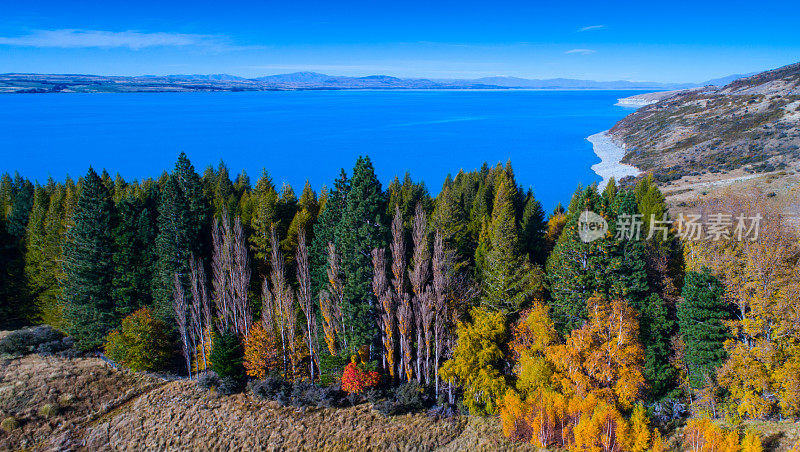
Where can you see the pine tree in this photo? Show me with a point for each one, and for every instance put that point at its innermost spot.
(35, 243)
(183, 223)
(533, 227)
(134, 254)
(504, 285)
(361, 230)
(701, 317)
(575, 268)
(325, 230)
(55, 227)
(265, 201)
(88, 266)
(15, 305)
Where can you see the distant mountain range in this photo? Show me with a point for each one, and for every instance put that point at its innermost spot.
(48, 83)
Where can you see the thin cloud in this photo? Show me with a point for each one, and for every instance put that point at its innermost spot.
(580, 51)
(135, 40)
(591, 27)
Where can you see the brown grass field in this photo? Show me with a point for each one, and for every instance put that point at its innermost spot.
(103, 408)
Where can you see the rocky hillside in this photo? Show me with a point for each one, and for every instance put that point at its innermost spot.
(751, 125)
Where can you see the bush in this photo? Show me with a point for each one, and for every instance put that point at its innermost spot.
(32, 339)
(227, 355)
(301, 394)
(66, 400)
(230, 385)
(406, 398)
(141, 342)
(208, 380)
(48, 410)
(355, 380)
(10, 423)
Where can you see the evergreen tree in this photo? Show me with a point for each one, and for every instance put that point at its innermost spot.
(360, 230)
(15, 305)
(532, 230)
(325, 230)
(134, 254)
(183, 222)
(701, 322)
(265, 201)
(88, 266)
(35, 258)
(575, 268)
(504, 284)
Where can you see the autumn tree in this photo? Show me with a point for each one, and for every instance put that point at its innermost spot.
(477, 361)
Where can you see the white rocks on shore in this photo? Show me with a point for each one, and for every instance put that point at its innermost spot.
(611, 155)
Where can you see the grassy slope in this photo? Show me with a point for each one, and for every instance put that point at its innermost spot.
(113, 410)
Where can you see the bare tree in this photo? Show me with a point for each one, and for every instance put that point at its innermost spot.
(419, 275)
(442, 267)
(231, 275)
(330, 301)
(200, 309)
(267, 307)
(280, 287)
(405, 314)
(240, 280)
(380, 287)
(305, 299)
(181, 307)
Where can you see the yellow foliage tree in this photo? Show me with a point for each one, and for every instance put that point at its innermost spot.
(261, 353)
(639, 438)
(477, 359)
(751, 442)
(604, 356)
(762, 280)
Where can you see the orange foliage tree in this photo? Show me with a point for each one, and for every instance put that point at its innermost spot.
(355, 379)
(261, 354)
(604, 356)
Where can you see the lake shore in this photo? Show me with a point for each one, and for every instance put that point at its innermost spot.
(611, 155)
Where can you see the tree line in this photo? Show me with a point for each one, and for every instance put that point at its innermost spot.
(476, 293)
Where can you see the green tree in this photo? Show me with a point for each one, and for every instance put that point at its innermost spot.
(134, 254)
(701, 322)
(88, 266)
(504, 277)
(227, 355)
(325, 230)
(361, 230)
(533, 227)
(183, 222)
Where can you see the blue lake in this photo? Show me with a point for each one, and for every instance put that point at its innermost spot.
(299, 135)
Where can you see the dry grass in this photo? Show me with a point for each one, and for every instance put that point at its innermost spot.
(77, 389)
(181, 416)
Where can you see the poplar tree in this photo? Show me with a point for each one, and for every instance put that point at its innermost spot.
(88, 266)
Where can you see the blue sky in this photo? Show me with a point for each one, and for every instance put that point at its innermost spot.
(653, 41)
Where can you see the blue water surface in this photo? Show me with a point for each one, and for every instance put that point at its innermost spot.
(299, 135)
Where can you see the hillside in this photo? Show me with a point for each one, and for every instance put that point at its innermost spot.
(751, 125)
(103, 408)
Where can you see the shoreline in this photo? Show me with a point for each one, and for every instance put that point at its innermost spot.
(610, 154)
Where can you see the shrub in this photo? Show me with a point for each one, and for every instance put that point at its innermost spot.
(9, 423)
(406, 398)
(66, 400)
(227, 355)
(208, 380)
(140, 343)
(48, 410)
(271, 388)
(230, 385)
(28, 340)
(355, 380)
